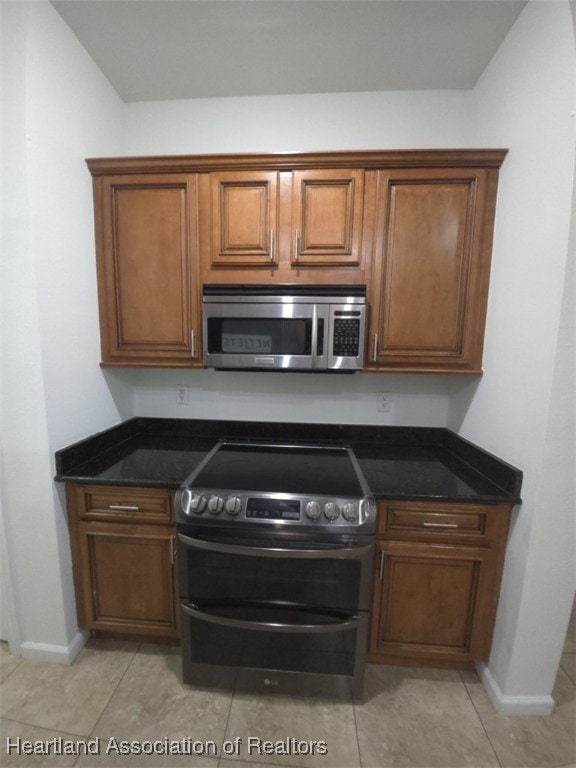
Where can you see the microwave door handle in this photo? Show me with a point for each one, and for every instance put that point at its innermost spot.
(314, 350)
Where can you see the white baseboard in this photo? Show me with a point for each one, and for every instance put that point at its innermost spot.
(513, 705)
(56, 654)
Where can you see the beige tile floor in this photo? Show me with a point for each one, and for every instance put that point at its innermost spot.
(410, 718)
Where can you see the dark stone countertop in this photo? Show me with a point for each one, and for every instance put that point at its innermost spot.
(398, 462)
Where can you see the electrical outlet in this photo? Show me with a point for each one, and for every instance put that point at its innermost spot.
(181, 395)
(384, 402)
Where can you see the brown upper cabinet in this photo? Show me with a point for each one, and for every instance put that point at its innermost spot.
(282, 221)
(244, 219)
(431, 266)
(327, 217)
(147, 259)
(415, 226)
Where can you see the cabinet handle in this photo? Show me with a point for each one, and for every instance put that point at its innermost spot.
(172, 549)
(375, 348)
(381, 564)
(272, 245)
(296, 246)
(440, 525)
(193, 343)
(124, 507)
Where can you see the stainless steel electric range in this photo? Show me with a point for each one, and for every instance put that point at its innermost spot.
(275, 553)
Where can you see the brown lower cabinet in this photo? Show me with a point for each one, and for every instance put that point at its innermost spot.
(123, 550)
(437, 579)
(437, 573)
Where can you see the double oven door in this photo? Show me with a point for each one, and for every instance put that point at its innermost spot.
(284, 612)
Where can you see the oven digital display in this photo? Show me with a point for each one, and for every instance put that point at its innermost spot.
(246, 343)
(273, 509)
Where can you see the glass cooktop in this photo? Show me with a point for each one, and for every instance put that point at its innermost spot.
(302, 470)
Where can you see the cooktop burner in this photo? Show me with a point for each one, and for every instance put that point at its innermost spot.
(291, 485)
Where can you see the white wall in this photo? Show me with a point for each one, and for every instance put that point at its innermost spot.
(61, 109)
(389, 120)
(72, 112)
(523, 407)
(333, 399)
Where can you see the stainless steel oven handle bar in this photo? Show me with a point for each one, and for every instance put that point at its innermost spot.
(264, 626)
(352, 552)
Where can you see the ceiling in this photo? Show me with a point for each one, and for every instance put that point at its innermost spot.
(179, 49)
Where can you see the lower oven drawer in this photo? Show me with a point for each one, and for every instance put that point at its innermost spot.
(291, 650)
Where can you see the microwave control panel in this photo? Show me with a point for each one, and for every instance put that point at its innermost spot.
(346, 337)
(346, 333)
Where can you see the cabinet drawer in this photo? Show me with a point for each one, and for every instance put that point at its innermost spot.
(425, 520)
(124, 504)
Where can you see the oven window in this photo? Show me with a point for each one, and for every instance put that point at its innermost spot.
(211, 576)
(268, 336)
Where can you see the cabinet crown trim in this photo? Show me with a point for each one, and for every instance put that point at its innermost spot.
(288, 161)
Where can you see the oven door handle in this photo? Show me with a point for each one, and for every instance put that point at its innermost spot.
(267, 626)
(348, 552)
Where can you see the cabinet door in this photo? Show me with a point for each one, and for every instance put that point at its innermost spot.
(431, 268)
(148, 267)
(327, 209)
(431, 602)
(244, 218)
(128, 579)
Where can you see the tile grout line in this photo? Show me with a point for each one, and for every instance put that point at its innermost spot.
(122, 676)
(69, 736)
(227, 718)
(219, 757)
(18, 662)
(356, 730)
(568, 674)
(492, 747)
(72, 736)
(240, 761)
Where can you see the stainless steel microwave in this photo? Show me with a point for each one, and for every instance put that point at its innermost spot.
(284, 327)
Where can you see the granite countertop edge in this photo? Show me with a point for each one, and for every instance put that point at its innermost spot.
(88, 460)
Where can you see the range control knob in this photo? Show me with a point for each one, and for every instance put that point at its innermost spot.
(313, 510)
(233, 505)
(215, 505)
(198, 503)
(350, 512)
(331, 510)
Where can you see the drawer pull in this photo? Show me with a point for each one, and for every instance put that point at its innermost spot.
(124, 507)
(441, 525)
